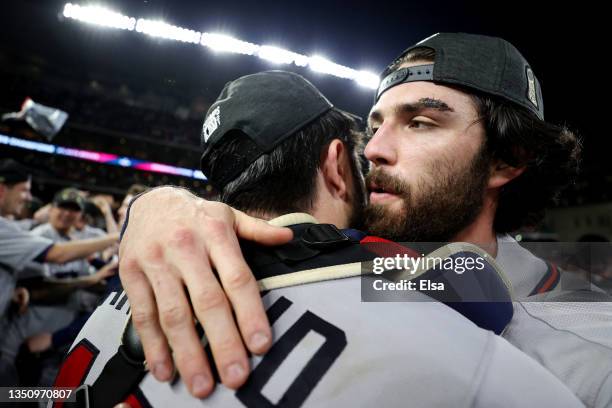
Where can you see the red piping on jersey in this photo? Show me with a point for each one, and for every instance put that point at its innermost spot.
(75, 367)
(390, 248)
(133, 402)
(369, 239)
(551, 279)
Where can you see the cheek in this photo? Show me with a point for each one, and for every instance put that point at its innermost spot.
(428, 159)
(417, 160)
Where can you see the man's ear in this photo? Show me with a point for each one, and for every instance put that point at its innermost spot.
(502, 173)
(334, 170)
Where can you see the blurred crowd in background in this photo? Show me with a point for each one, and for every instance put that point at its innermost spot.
(45, 302)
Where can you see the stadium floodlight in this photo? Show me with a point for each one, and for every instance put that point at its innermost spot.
(277, 55)
(323, 65)
(217, 42)
(222, 42)
(367, 79)
(301, 60)
(100, 16)
(163, 30)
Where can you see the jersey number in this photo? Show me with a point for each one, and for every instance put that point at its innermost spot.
(335, 341)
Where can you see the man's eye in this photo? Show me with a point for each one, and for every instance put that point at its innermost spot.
(372, 131)
(419, 124)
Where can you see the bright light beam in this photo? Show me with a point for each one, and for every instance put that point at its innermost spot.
(216, 41)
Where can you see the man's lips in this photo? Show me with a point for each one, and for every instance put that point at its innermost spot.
(382, 197)
(380, 194)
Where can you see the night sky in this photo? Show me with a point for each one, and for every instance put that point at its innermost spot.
(564, 44)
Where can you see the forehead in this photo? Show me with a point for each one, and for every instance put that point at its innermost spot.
(23, 185)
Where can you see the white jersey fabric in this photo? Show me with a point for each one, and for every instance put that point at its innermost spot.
(331, 349)
(571, 339)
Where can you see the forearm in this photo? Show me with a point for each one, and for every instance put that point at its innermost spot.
(111, 224)
(56, 291)
(68, 251)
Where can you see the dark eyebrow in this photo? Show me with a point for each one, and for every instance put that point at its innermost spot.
(423, 103)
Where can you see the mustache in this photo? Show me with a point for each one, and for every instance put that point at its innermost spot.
(386, 182)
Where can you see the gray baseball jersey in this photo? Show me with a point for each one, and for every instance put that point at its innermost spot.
(79, 267)
(17, 248)
(570, 338)
(87, 232)
(332, 349)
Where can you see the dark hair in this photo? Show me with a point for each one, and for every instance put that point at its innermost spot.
(550, 153)
(284, 180)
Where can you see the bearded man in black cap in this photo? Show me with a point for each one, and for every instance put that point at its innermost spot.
(250, 157)
(459, 151)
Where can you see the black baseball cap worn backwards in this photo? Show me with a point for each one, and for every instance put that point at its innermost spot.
(263, 109)
(487, 64)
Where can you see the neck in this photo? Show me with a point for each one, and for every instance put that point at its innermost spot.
(323, 213)
(480, 232)
(326, 217)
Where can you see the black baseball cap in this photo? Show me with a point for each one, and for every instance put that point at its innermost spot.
(262, 109)
(69, 198)
(91, 209)
(12, 172)
(487, 64)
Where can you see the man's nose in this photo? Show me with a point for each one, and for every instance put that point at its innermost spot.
(380, 150)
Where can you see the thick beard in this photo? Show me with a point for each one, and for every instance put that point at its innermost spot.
(431, 212)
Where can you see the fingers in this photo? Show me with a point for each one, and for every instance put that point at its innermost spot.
(145, 319)
(241, 289)
(194, 237)
(177, 323)
(254, 229)
(213, 311)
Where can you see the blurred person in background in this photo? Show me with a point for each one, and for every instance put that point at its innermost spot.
(93, 208)
(17, 249)
(26, 219)
(67, 209)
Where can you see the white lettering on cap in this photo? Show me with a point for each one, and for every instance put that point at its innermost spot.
(531, 92)
(212, 122)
